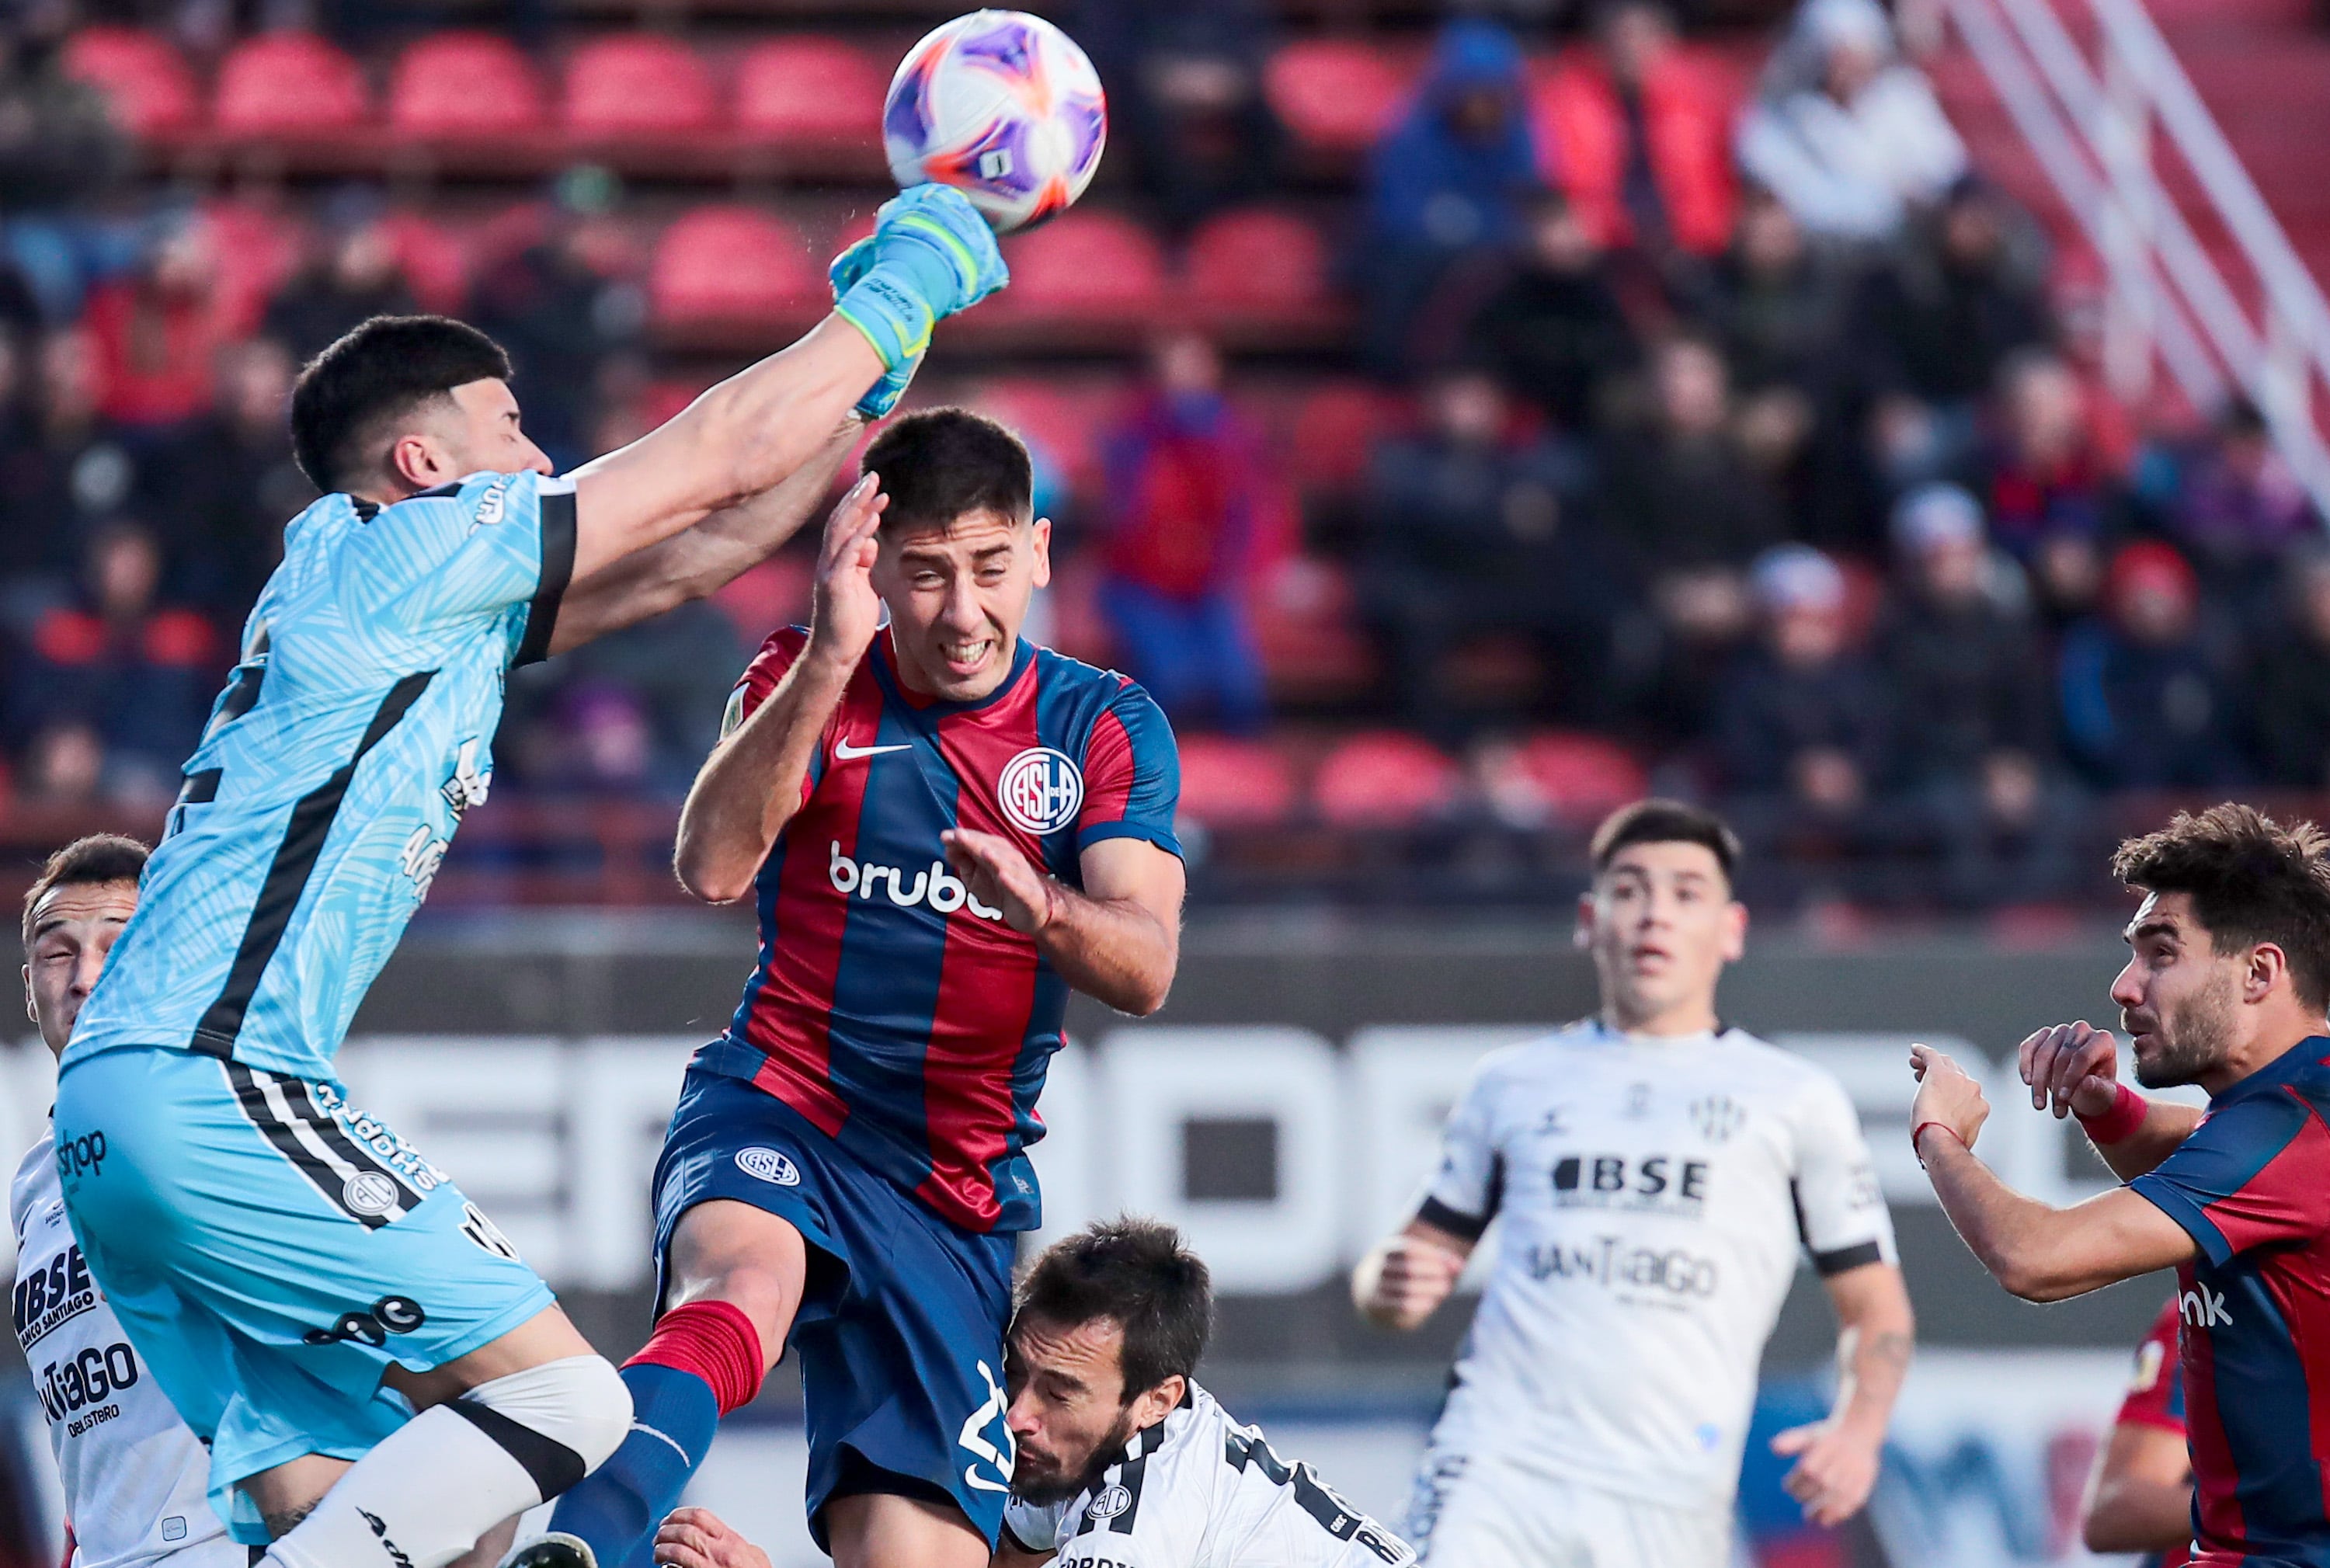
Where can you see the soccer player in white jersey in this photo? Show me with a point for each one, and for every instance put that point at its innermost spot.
(1656, 1172)
(1124, 1461)
(134, 1475)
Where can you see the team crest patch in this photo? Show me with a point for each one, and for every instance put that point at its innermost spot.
(1040, 789)
(767, 1164)
(1112, 1501)
(369, 1193)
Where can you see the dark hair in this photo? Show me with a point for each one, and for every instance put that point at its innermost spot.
(378, 374)
(2251, 879)
(1138, 1274)
(1664, 822)
(938, 464)
(90, 862)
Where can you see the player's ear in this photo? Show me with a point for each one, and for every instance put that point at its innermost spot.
(1155, 1404)
(30, 1011)
(2267, 963)
(1582, 937)
(1043, 530)
(1735, 932)
(415, 461)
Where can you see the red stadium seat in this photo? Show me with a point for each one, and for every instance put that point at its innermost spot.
(810, 91)
(464, 86)
(1385, 778)
(1306, 625)
(289, 84)
(1336, 429)
(1061, 422)
(436, 262)
(146, 87)
(732, 264)
(1260, 262)
(636, 84)
(258, 248)
(1085, 265)
(1233, 783)
(1335, 94)
(1579, 778)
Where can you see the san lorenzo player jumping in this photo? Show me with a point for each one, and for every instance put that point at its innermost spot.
(299, 1279)
(1657, 1174)
(945, 828)
(2226, 985)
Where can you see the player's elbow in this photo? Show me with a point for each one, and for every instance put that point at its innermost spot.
(2032, 1279)
(1146, 996)
(713, 878)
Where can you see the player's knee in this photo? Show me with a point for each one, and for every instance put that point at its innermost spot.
(561, 1420)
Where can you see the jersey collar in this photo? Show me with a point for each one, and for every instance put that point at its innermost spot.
(886, 670)
(2310, 1051)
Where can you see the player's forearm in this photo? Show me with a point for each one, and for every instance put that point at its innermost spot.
(1872, 1356)
(2165, 1125)
(751, 785)
(2005, 1231)
(1111, 950)
(2135, 1514)
(702, 559)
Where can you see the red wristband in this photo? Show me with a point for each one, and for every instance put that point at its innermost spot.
(1930, 1122)
(2126, 1115)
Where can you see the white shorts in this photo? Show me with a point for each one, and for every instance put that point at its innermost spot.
(1481, 1514)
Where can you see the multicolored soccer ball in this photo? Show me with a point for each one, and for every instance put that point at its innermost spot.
(1002, 106)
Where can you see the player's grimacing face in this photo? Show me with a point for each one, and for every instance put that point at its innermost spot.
(1068, 1407)
(958, 597)
(482, 433)
(2178, 997)
(74, 928)
(1661, 923)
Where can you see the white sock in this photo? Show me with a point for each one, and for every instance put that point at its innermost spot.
(425, 1494)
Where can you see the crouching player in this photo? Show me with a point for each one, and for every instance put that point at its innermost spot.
(946, 829)
(1124, 1461)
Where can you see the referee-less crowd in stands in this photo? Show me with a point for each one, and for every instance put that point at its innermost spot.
(1741, 428)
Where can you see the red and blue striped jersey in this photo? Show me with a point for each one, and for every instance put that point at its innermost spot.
(2251, 1187)
(2155, 1398)
(890, 1007)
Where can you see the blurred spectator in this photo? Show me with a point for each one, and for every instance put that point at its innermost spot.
(1640, 136)
(1805, 725)
(61, 469)
(156, 333)
(1932, 330)
(2289, 679)
(2144, 706)
(1555, 331)
(563, 308)
(2044, 476)
(139, 675)
(1196, 518)
(229, 484)
(1450, 180)
(1471, 533)
(60, 152)
(64, 765)
(1843, 130)
(1770, 304)
(1184, 79)
(351, 275)
(2241, 507)
(1975, 750)
(1679, 496)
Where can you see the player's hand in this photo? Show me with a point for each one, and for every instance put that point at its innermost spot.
(2074, 1067)
(844, 609)
(1412, 1278)
(696, 1538)
(1834, 1471)
(1947, 1095)
(1000, 877)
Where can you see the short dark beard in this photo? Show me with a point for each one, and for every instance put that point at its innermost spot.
(1105, 1453)
(2192, 1041)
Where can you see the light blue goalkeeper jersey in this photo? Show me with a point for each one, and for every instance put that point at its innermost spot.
(335, 769)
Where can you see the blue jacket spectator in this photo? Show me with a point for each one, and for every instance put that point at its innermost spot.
(2146, 705)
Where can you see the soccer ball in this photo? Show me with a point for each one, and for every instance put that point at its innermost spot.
(1002, 106)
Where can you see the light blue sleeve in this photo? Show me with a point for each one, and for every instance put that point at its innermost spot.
(471, 552)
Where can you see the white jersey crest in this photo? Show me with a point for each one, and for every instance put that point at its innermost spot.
(135, 1477)
(1655, 1196)
(1199, 1490)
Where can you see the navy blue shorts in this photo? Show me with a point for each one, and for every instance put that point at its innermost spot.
(900, 1332)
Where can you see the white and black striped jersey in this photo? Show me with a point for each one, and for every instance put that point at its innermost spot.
(135, 1477)
(1656, 1194)
(1199, 1490)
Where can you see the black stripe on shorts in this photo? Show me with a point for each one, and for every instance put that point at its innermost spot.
(283, 1132)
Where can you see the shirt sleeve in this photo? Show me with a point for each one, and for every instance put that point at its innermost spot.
(1132, 775)
(1033, 1529)
(1467, 1187)
(759, 678)
(2252, 1175)
(1840, 1207)
(2156, 1385)
(491, 545)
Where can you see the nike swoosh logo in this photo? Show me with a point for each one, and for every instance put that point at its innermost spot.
(971, 1477)
(843, 751)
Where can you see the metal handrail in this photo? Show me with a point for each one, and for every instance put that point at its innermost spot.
(2092, 142)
